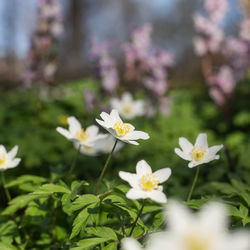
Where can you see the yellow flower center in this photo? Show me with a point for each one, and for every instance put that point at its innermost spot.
(82, 135)
(149, 182)
(2, 159)
(198, 153)
(127, 109)
(121, 128)
(87, 148)
(63, 119)
(197, 242)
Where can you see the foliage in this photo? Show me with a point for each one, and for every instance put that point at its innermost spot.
(53, 210)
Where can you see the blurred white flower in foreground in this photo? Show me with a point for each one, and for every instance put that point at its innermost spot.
(122, 131)
(205, 231)
(127, 107)
(101, 146)
(199, 153)
(8, 160)
(145, 184)
(78, 135)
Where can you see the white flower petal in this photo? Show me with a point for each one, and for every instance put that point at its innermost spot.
(185, 145)
(127, 97)
(135, 135)
(115, 115)
(194, 164)
(2, 149)
(185, 156)
(135, 193)
(162, 174)
(157, 196)
(105, 116)
(64, 132)
(92, 130)
(74, 125)
(130, 178)
(238, 241)
(131, 142)
(213, 217)
(13, 163)
(201, 141)
(214, 150)
(130, 244)
(13, 152)
(142, 168)
(179, 217)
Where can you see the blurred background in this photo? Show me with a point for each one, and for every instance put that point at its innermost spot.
(109, 20)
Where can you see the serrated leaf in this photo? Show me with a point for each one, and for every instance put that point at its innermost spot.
(81, 220)
(241, 213)
(51, 189)
(84, 200)
(102, 232)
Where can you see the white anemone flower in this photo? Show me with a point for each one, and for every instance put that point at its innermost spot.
(127, 107)
(122, 131)
(199, 153)
(79, 135)
(206, 230)
(145, 184)
(7, 159)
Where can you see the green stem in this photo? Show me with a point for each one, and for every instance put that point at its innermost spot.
(105, 167)
(74, 161)
(138, 216)
(194, 182)
(5, 188)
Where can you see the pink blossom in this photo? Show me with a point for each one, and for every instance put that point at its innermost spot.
(245, 30)
(216, 9)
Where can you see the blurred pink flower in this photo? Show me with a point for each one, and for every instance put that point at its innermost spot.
(245, 30)
(216, 9)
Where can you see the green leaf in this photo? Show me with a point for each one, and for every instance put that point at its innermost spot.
(241, 213)
(89, 243)
(5, 246)
(84, 200)
(81, 220)
(26, 178)
(102, 232)
(51, 189)
(20, 202)
(111, 246)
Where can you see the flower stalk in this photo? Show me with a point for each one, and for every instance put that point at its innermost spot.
(105, 167)
(138, 216)
(194, 182)
(5, 188)
(74, 161)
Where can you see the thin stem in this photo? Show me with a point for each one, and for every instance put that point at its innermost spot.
(105, 167)
(194, 182)
(74, 161)
(5, 188)
(138, 216)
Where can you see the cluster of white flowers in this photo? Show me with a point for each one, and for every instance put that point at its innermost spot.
(205, 231)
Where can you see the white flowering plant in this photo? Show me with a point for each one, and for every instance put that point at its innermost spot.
(93, 189)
